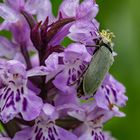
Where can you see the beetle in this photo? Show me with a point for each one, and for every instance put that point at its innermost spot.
(100, 63)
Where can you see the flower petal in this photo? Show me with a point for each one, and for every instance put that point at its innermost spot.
(110, 93)
(84, 32)
(37, 71)
(66, 135)
(8, 13)
(4, 138)
(7, 48)
(76, 59)
(15, 97)
(24, 134)
(87, 10)
(31, 106)
(17, 4)
(68, 8)
(42, 8)
(20, 31)
(54, 65)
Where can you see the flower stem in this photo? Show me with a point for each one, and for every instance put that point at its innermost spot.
(25, 53)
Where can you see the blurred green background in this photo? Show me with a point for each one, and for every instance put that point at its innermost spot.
(123, 18)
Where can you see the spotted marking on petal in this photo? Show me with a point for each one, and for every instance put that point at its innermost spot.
(97, 134)
(24, 104)
(75, 72)
(13, 101)
(60, 60)
(111, 96)
(44, 130)
(18, 98)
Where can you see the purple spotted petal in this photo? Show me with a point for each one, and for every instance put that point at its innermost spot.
(45, 128)
(84, 32)
(62, 83)
(14, 101)
(93, 121)
(15, 96)
(91, 129)
(54, 64)
(76, 59)
(51, 132)
(60, 77)
(48, 132)
(111, 93)
(31, 106)
(95, 134)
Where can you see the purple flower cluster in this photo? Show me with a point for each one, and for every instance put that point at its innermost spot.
(40, 78)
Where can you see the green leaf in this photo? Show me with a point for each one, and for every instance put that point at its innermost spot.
(83, 101)
(99, 66)
(1, 128)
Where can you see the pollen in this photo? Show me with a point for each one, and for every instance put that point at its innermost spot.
(107, 36)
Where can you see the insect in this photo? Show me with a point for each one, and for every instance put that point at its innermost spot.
(100, 64)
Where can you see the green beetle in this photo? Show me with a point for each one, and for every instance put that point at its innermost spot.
(100, 64)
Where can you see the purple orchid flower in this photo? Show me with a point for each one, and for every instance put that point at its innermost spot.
(84, 32)
(11, 11)
(85, 28)
(15, 96)
(41, 81)
(16, 23)
(68, 67)
(87, 10)
(111, 94)
(93, 119)
(45, 127)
